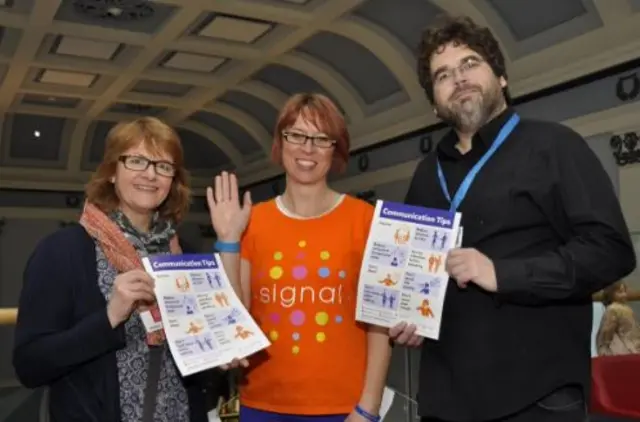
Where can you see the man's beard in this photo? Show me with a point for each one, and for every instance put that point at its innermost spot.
(474, 111)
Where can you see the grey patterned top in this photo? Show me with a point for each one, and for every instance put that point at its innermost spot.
(171, 403)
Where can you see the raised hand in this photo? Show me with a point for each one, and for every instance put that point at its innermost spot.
(228, 217)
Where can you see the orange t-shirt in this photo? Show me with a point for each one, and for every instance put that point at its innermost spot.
(304, 276)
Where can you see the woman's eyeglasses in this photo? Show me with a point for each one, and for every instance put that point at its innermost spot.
(138, 163)
(297, 138)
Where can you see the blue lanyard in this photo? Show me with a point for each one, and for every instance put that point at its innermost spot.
(468, 180)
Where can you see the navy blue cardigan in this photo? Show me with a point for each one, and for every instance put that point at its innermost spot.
(63, 338)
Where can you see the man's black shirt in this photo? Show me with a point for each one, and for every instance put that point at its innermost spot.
(545, 212)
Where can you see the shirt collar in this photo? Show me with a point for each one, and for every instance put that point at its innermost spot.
(483, 138)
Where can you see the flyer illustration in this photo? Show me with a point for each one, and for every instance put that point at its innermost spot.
(205, 322)
(403, 277)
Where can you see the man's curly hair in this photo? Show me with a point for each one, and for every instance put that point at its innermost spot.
(459, 31)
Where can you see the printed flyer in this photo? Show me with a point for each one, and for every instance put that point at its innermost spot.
(403, 278)
(205, 322)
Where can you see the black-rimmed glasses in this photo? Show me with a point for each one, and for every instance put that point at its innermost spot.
(138, 163)
(297, 138)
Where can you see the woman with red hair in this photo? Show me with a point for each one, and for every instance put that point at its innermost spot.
(85, 297)
(297, 264)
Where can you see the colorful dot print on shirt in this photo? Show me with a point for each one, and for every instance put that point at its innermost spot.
(304, 279)
(299, 272)
(275, 272)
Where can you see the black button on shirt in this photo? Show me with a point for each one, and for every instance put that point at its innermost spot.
(544, 210)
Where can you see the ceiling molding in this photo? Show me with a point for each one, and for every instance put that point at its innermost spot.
(217, 138)
(172, 29)
(622, 118)
(245, 121)
(39, 19)
(335, 84)
(264, 92)
(386, 47)
(323, 15)
(31, 37)
(474, 11)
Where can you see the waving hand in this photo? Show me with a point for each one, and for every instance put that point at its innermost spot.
(228, 216)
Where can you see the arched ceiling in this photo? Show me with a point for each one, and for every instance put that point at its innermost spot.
(220, 70)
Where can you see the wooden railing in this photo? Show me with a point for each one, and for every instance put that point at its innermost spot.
(8, 315)
(633, 296)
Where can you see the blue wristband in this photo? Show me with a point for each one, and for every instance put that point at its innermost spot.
(227, 247)
(368, 416)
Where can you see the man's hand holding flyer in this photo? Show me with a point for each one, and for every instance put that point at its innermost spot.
(403, 277)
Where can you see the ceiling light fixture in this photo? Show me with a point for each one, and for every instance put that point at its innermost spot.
(114, 11)
(120, 10)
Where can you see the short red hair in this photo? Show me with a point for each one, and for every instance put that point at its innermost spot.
(320, 111)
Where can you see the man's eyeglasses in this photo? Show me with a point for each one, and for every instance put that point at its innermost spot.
(469, 64)
(297, 138)
(138, 163)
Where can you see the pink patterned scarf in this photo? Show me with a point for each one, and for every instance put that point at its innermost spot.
(122, 255)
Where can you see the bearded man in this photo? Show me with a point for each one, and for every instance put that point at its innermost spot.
(542, 231)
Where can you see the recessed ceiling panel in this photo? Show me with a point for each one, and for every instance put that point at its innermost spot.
(161, 88)
(9, 40)
(63, 77)
(22, 7)
(406, 23)
(290, 81)
(191, 62)
(136, 110)
(85, 48)
(371, 78)
(233, 131)
(261, 110)
(133, 15)
(201, 153)
(305, 5)
(35, 137)
(293, 1)
(526, 19)
(233, 28)
(50, 101)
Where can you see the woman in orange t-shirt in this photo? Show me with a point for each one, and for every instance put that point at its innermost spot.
(296, 262)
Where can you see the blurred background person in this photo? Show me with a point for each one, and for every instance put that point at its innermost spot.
(619, 332)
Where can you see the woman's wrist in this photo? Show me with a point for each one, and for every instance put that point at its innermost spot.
(225, 246)
(367, 414)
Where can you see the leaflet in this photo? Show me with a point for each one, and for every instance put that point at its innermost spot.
(403, 277)
(205, 323)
